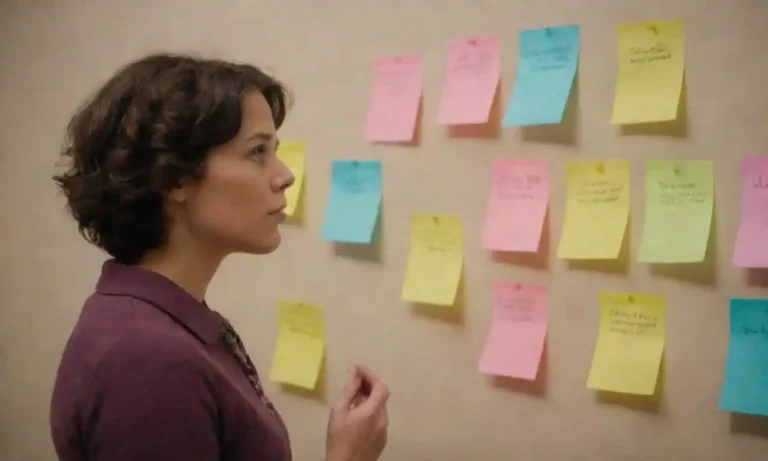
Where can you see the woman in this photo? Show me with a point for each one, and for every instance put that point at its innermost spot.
(173, 168)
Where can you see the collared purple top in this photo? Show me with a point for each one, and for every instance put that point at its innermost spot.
(146, 376)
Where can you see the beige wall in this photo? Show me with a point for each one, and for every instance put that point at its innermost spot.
(52, 53)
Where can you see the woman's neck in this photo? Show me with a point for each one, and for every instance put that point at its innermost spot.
(191, 270)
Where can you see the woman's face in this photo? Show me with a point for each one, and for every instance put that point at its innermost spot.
(238, 204)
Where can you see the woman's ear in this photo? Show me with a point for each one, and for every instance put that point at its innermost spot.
(179, 195)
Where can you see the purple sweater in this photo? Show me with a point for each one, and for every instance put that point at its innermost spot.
(146, 376)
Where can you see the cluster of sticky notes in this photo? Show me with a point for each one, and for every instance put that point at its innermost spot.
(651, 65)
(300, 349)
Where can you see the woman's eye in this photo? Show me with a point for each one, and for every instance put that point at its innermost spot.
(259, 150)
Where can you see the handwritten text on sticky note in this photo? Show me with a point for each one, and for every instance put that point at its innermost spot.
(650, 76)
(435, 259)
(517, 205)
(597, 210)
(292, 154)
(630, 344)
(745, 387)
(474, 70)
(517, 332)
(394, 103)
(300, 345)
(549, 58)
(751, 242)
(679, 201)
(354, 205)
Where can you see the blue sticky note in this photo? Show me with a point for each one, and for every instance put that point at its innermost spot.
(548, 61)
(354, 203)
(745, 389)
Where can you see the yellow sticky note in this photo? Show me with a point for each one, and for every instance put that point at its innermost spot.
(630, 344)
(679, 201)
(435, 259)
(650, 75)
(300, 344)
(597, 210)
(292, 154)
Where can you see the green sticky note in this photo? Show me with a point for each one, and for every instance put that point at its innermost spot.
(353, 207)
(679, 202)
(745, 387)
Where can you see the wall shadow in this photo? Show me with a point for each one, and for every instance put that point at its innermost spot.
(757, 277)
(566, 132)
(619, 265)
(677, 128)
(701, 273)
(451, 314)
(650, 404)
(538, 260)
(756, 425)
(368, 252)
(536, 387)
(490, 129)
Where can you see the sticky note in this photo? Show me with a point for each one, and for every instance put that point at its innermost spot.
(292, 154)
(474, 70)
(751, 248)
(679, 201)
(548, 61)
(435, 259)
(597, 210)
(354, 204)
(517, 205)
(394, 102)
(300, 344)
(630, 344)
(745, 387)
(650, 74)
(517, 332)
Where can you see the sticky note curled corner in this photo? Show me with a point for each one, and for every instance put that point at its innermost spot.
(435, 259)
(293, 155)
(300, 346)
(517, 332)
(745, 385)
(597, 210)
(650, 73)
(751, 249)
(679, 202)
(353, 207)
(630, 344)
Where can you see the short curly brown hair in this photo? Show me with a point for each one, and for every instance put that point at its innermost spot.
(150, 127)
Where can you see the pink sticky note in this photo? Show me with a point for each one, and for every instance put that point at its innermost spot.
(752, 239)
(517, 332)
(474, 70)
(517, 205)
(394, 103)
